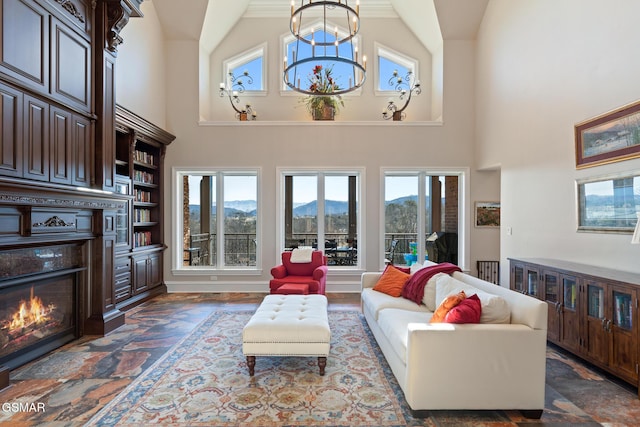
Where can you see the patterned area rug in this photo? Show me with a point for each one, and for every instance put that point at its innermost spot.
(204, 381)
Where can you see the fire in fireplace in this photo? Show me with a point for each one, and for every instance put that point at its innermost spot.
(39, 312)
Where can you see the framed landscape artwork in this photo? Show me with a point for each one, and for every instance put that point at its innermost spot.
(487, 214)
(608, 138)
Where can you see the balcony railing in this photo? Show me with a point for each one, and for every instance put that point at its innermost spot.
(240, 248)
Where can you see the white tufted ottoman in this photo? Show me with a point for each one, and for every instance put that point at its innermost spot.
(288, 325)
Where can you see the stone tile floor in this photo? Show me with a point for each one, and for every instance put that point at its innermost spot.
(68, 386)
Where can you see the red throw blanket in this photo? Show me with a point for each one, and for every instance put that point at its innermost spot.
(414, 288)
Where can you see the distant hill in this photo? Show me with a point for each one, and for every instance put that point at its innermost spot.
(332, 207)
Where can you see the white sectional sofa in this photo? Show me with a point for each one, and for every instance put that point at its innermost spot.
(462, 366)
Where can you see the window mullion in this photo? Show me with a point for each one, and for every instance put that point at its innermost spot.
(320, 212)
(220, 223)
(422, 200)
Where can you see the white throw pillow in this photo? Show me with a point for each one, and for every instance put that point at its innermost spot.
(415, 267)
(495, 309)
(429, 299)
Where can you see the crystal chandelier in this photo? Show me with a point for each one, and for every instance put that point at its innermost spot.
(330, 46)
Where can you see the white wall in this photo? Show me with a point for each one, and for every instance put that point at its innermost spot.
(273, 144)
(140, 67)
(544, 66)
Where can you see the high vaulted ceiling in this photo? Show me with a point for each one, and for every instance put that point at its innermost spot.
(210, 20)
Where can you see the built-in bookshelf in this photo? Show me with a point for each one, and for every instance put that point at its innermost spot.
(140, 148)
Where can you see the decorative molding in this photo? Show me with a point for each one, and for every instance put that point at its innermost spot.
(54, 221)
(14, 199)
(116, 21)
(71, 8)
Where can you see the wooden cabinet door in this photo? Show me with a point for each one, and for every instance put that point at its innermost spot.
(82, 153)
(551, 292)
(532, 281)
(36, 139)
(570, 315)
(24, 41)
(140, 276)
(517, 277)
(596, 336)
(60, 143)
(11, 131)
(70, 66)
(623, 330)
(155, 269)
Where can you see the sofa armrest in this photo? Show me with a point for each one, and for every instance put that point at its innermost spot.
(369, 279)
(279, 271)
(476, 366)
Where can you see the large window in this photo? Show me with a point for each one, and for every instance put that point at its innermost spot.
(422, 216)
(609, 203)
(321, 210)
(219, 214)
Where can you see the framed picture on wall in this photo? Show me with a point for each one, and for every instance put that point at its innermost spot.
(487, 214)
(608, 138)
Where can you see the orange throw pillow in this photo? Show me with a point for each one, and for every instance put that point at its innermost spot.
(447, 304)
(392, 281)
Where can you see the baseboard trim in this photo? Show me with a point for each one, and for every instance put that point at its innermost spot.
(250, 287)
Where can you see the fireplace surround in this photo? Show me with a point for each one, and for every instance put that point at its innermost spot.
(56, 270)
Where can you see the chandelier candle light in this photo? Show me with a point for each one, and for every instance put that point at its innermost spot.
(406, 86)
(232, 89)
(325, 47)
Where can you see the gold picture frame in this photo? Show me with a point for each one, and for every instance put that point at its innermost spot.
(611, 137)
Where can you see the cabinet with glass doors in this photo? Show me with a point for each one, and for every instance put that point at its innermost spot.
(592, 311)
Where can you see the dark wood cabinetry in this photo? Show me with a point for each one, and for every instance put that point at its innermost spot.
(593, 312)
(57, 135)
(140, 149)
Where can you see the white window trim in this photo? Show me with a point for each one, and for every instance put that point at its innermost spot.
(411, 64)
(177, 219)
(247, 56)
(324, 171)
(464, 195)
(316, 25)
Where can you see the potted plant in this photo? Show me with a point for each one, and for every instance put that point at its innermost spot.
(322, 105)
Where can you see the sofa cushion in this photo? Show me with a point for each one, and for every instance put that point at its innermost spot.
(429, 298)
(446, 305)
(495, 309)
(392, 281)
(375, 301)
(394, 324)
(468, 311)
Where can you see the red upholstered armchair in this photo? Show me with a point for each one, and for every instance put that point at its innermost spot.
(312, 273)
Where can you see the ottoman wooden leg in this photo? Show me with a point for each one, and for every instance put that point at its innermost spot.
(251, 364)
(322, 363)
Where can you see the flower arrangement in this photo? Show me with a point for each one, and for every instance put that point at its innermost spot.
(322, 83)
